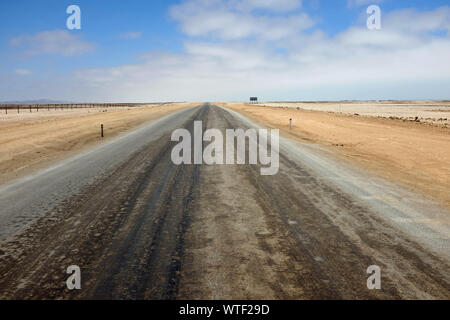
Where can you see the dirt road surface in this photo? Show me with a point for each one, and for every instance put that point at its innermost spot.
(144, 228)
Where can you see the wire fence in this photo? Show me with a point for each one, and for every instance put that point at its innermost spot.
(21, 108)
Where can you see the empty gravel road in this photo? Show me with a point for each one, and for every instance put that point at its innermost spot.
(141, 227)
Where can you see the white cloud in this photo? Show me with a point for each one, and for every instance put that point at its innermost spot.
(52, 42)
(23, 72)
(241, 5)
(410, 20)
(275, 5)
(359, 3)
(131, 35)
(400, 61)
(232, 19)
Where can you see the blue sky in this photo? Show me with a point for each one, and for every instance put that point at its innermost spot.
(215, 50)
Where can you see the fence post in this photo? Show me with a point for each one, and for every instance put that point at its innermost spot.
(101, 130)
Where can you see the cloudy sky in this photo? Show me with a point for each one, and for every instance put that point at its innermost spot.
(211, 50)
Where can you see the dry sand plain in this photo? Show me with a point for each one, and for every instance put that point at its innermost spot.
(436, 112)
(416, 155)
(32, 141)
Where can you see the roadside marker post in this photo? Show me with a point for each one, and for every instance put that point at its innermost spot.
(290, 124)
(101, 130)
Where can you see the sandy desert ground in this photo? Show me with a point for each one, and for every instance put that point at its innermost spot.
(32, 141)
(414, 154)
(435, 112)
